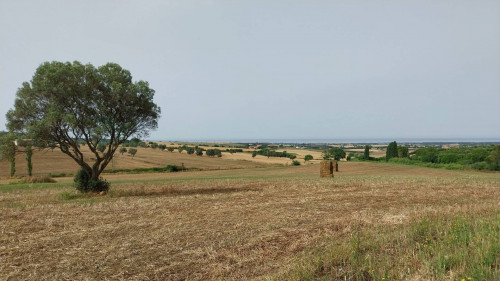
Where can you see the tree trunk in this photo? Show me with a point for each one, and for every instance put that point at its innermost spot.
(29, 153)
(12, 166)
(94, 175)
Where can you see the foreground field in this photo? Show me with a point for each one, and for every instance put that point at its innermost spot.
(260, 223)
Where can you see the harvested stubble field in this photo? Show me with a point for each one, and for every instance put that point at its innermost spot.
(247, 224)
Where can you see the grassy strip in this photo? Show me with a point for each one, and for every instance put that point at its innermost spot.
(26, 186)
(430, 248)
(19, 185)
(449, 166)
(60, 175)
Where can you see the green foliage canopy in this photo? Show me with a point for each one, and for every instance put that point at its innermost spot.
(132, 151)
(335, 153)
(123, 150)
(403, 152)
(494, 158)
(214, 152)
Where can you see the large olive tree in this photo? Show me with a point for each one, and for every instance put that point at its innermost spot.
(67, 103)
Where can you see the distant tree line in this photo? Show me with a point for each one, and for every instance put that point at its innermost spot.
(483, 157)
(479, 158)
(213, 152)
(134, 142)
(273, 153)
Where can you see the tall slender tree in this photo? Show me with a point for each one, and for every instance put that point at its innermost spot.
(392, 151)
(367, 152)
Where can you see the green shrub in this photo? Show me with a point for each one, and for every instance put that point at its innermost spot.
(59, 175)
(405, 161)
(295, 163)
(84, 184)
(454, 166)
(172, 168)
(481, 166)
(308, 157)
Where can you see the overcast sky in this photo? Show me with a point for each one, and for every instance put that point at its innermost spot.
(236, 70)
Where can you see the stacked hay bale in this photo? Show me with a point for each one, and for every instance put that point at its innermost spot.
(326, 169)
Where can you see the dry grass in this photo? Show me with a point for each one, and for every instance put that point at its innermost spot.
(230, 224)
(38, 179)
(47, 161)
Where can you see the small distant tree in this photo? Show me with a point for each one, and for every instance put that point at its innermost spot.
(190, 150)
(254, 153)
(402, 152)
(162, 147)
(170, 149)
(367, 152)
(199, 152)
(392, 151)
(214, 152)
(29, 154)
(335, 153)
(338, 153)
(308, 157)
(132, 151)
(123, 150)
(153, 145)
(295, 163)
(101, 147)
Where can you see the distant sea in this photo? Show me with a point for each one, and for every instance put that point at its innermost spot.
(338, 140)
